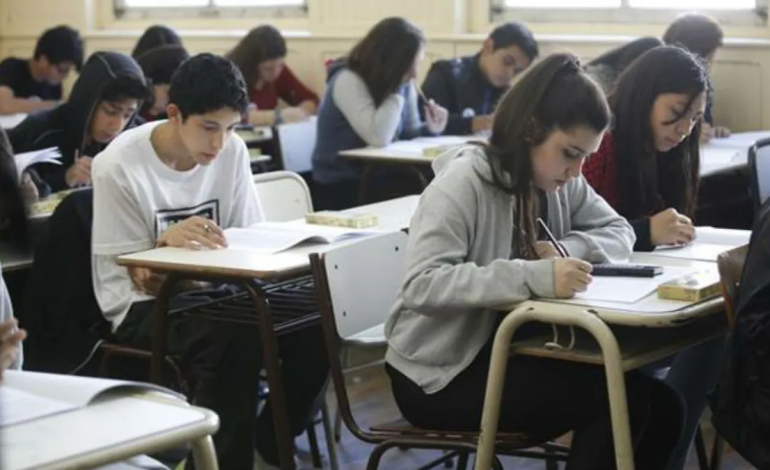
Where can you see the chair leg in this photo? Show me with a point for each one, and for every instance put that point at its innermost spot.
(337, 431)
(374, 458)
(104, 364)
(700, 449)
(344, 361)
(331, 444)
(717, 453)
(312, 439)
(449, 463)
(462, 461)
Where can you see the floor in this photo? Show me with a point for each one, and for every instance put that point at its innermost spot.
(369, 391)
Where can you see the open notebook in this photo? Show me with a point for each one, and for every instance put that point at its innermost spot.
(709, 243)
(26, 396)
(26, 159)
(273, 237)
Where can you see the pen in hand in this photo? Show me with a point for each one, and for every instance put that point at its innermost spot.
(559, 249)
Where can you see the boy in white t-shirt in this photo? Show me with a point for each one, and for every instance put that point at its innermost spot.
(179, 183)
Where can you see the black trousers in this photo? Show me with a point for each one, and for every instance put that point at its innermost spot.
(547, 398)
(222, 362)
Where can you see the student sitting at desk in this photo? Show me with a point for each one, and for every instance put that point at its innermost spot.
(606, 68)
(261, 57)
(159, 65)
(647, 169)
(179, 183)
(370, 100)
(701, 35)
(28, 85)
(103, 102)
(473, 248)
(155, 36)
(469, 87)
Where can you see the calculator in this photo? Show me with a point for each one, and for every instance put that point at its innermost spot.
(626, 270)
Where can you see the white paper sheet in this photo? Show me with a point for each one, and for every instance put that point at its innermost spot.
(10, 121)
(24, 160)
(742, 140)
(708, 245)
(17, 406)
(629, 289)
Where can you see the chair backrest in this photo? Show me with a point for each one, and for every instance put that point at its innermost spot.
(296, 142)
(283, 195)
(759, 167)
(363, 279)
(730, 265)
(356, 285)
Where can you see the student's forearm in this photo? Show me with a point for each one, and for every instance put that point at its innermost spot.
(21, 105)
(308, 106)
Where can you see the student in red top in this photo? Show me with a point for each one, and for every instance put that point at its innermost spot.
(647, 166)
(260, 56)
(647, 169)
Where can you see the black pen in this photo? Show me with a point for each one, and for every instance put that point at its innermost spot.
(552, 239)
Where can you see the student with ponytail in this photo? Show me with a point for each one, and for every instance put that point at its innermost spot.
(473, 247)
(647, 168)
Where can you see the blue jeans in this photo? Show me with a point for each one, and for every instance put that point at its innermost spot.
(693, 373)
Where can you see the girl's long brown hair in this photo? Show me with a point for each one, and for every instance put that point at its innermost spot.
(649, 180)
(384, 56)
(554, 94)
(261, 44)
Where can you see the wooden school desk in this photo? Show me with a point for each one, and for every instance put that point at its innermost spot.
(111, 430)
(728, 154)
(245, 269)
(406, 153)
(655, 329)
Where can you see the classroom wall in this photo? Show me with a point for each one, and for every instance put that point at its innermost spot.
(454, 27)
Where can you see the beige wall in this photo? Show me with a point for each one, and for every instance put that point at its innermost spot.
(454, 27)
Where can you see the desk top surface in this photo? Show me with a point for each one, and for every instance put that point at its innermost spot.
(109, 430)
(392, 215)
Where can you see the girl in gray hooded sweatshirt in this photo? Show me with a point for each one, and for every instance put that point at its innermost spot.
(473, 247)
